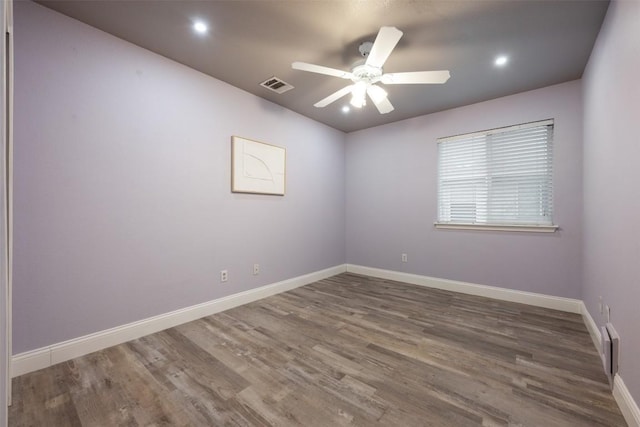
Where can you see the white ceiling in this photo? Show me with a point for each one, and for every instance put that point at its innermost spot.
(548, 42)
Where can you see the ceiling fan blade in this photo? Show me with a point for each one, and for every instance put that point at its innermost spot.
(333, 97)
(312, 68)
(379, 98)
(416, 77)
(386, 40)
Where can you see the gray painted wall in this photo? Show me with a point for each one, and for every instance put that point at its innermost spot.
(611, 182)
(122, 185)
(391, 182)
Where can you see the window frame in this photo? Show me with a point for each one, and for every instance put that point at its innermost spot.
(488, 177)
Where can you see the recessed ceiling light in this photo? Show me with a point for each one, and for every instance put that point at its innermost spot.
(346, 109)
(501, 61)
(200, 27)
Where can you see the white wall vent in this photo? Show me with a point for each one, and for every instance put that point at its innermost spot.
(610, 351)
(276, 85)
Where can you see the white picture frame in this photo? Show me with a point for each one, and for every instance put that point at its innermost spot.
(257, 167)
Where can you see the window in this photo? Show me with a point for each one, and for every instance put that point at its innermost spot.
(497, 179)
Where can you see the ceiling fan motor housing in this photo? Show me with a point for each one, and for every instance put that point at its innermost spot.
(367, 73)
(365, 48)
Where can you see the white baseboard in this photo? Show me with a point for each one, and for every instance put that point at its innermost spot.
(628, 406)
(43, 357)
(592, 327)
(30, 361)
(539, 300)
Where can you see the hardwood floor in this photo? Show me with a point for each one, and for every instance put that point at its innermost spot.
(349, 350)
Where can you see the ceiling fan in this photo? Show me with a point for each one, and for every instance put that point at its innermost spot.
(366, 74)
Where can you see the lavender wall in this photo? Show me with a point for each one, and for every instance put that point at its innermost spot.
(611, 190)
(122, 189)
(391, 183)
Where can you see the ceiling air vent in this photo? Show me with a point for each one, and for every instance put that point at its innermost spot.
(276, 85)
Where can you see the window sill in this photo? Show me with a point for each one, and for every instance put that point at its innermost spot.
(488, 227)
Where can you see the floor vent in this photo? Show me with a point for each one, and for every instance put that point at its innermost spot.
(610, 351)
(276, 85)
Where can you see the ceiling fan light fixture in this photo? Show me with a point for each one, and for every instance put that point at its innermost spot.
(358, 102)
(359, 93)
(377, 94)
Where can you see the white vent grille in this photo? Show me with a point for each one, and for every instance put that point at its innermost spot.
(276, 85)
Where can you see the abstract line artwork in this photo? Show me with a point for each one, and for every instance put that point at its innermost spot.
(256, 167)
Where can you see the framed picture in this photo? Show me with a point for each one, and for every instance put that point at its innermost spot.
(256, 167)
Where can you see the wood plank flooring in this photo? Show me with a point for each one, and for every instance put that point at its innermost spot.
(349, 350)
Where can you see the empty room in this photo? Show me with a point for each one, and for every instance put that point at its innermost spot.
(320, 213)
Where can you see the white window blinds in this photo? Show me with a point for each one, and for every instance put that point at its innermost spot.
(497, 177)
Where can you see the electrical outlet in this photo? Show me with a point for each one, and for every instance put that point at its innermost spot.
(607, 312)
(224, 275)
(404, 257)
(600, 306)
(256, 269)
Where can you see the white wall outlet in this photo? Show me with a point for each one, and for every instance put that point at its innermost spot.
(224, 275)
(256, 269)
(404, 257)
(600, 306)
